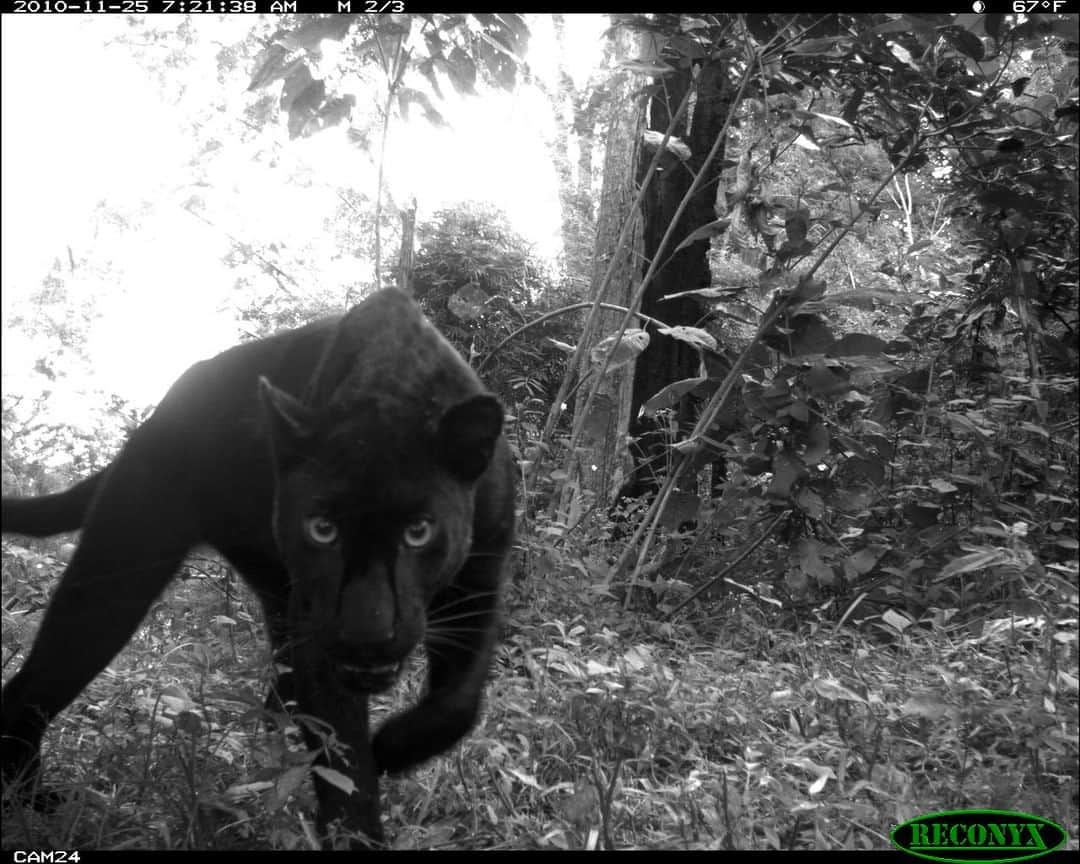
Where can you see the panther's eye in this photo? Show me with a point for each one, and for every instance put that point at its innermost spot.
(320, 530)
(418, 533)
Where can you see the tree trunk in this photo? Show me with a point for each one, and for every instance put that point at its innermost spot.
(600, 461)
(665, 359)
(408, 247)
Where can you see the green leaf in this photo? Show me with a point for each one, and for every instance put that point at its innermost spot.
(833, 690)
(686, 48)
(525, 779)
(901, 53)
(863, 561)
(973, 561)
(810, 503)
(286, 786)
(273, 63)
(805, 139)
(461, 70)
(705, 232)
(823, 381)
(407, 97)
(656, 70)
(721, 292)
(832, 119)
(427, 69)
(626, 350)
(502, 41)
(176, 699)
(671, 394)
(818, 46)
(693, 336)
(689, 24)
(335, 778)
(1038, 430)
(960, 423)
(798, 410)
(965, 42)
(809, 552)
(927, 705)
(336, 110)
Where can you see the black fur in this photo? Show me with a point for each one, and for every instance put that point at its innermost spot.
(354, 472)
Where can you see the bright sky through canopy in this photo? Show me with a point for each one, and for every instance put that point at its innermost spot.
(96, 131)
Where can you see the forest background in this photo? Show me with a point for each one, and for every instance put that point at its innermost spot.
(798, 553)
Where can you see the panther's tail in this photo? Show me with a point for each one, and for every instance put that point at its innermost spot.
(50, 514)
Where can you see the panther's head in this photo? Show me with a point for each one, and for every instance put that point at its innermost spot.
(376, 465)
(373, 516)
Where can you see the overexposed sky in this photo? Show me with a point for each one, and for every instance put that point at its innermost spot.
(83, 125)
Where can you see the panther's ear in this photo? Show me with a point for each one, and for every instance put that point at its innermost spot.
(467, 435)
(288, 422)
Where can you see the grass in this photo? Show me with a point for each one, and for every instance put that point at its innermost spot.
(602, 729)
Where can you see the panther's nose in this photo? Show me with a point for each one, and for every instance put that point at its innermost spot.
(367, 613)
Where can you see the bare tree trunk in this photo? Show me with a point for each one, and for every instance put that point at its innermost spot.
(408, 248)
(600, 460)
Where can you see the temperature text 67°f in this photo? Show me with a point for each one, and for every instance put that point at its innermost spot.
(1029, 6)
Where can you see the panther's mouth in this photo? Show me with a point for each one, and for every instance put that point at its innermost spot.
(366, 678)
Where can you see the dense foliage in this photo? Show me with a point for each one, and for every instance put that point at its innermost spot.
(477, 280)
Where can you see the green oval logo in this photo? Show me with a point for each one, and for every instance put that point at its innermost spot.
(962, 836)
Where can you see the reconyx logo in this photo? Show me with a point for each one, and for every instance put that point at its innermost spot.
(990, 836)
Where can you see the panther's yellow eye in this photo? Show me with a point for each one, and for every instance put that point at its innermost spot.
(418, 534)
(320, 530)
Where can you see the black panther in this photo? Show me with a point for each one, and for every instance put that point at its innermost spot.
(354, 472)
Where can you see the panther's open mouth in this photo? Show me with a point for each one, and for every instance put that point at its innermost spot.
(367, 678)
